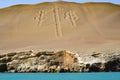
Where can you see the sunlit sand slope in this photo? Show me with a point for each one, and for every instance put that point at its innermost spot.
(60, 25)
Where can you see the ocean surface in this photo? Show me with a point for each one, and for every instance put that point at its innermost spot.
(60, 76)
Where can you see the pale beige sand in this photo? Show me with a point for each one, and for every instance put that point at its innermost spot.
(60, 25)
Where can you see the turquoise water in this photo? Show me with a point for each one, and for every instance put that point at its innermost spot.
(60, 76)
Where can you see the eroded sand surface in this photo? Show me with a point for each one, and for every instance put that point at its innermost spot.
(61, 25)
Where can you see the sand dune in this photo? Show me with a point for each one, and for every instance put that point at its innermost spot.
(60, 25)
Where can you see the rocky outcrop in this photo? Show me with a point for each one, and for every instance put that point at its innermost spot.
(99, 62)
(61, 61)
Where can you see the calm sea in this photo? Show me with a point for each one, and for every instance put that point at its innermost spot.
(60, 76)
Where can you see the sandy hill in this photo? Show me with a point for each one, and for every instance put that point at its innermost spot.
(60, 25)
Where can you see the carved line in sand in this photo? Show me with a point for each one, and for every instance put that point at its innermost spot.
(57, 22)
(71, 15)
(40, 18)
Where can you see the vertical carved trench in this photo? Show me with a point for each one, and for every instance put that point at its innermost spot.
(57, 22)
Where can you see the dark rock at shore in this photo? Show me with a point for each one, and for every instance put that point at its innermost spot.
(61, 61)
(3, 67)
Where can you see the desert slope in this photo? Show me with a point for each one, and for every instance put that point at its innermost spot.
(60, 25)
